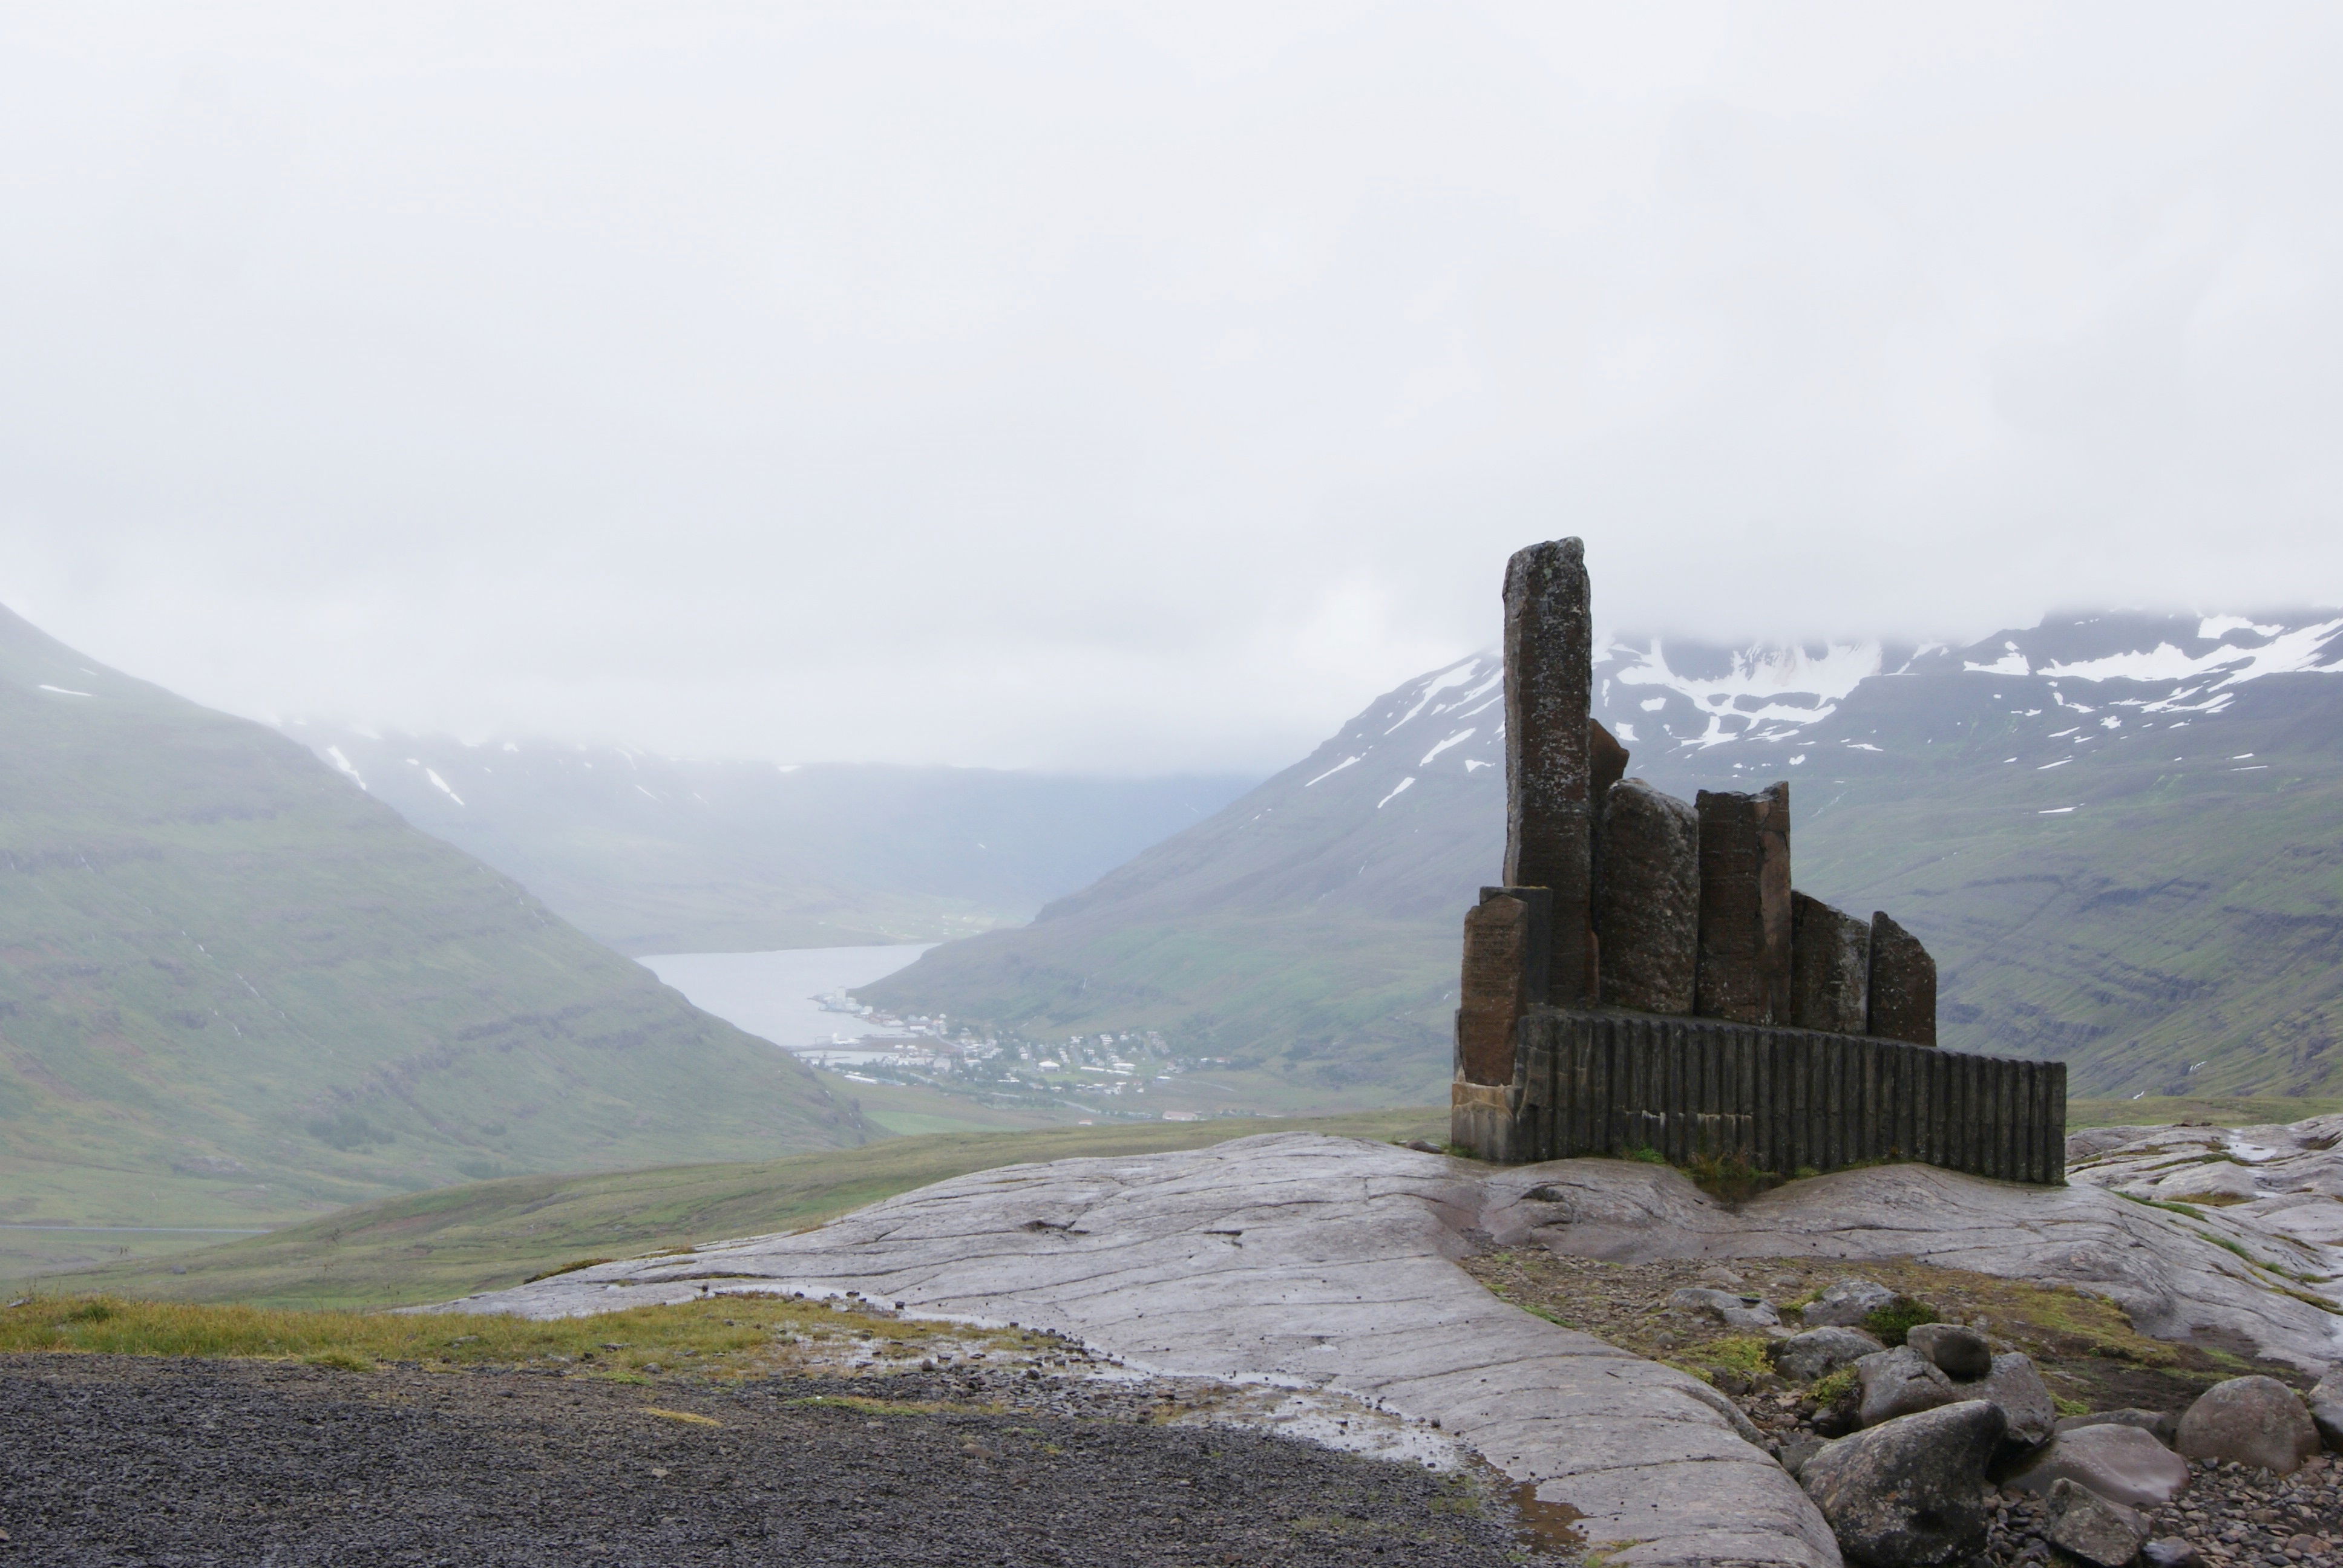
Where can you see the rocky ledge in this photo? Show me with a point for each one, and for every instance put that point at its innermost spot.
(1331, 1263)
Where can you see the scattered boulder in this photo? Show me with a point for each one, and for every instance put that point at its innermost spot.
(2171, 1553)
(1960, 1353)
(2163, 1423)
(1909, 1494)
(2327, 1409)
(1800, 1448)
(2089, 1526)
(2017, 1387)
(1846, 1303)
(1818, 1352)
(2252, 1420)
(1733, 1311)
(2122, 1463)
(1900, 1382)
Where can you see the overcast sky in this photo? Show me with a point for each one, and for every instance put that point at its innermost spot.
(1131, 387)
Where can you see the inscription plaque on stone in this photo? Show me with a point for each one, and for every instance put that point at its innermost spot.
(1505, 976)
(1830, 968)
(1549, 669)
(1903, 985)
(1745, 906)
(1647, 902)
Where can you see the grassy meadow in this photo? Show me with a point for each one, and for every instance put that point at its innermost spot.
(729, 1337)
(450, 1241)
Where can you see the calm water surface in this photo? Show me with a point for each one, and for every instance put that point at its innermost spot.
(772, 995)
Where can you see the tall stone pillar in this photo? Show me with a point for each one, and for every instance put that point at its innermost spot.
(1549, 670)
(1745, 906)
(1830, 968)
(1902, 984)
(1647, 900)
(1505, 939)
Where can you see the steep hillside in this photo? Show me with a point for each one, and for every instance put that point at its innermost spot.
(652, 855)
(232, 984)
(2068, 815)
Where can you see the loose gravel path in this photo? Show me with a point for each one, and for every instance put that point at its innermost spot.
(117, 1460)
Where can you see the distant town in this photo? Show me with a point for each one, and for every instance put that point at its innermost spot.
(1107, 1073)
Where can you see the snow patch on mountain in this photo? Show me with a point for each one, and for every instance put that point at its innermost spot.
(1350, 761)
(342, 764)
(2298, 652)
(1769, 692)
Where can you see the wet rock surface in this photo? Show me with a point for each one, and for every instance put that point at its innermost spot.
(1909, 1492)
(119, 1460)
(2121, 1463)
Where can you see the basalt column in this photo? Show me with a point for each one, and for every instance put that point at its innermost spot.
(1903, 985)
(1549, 651)
(1647, 899)
(1830, 968)
(1505, 935)
(1745, 906)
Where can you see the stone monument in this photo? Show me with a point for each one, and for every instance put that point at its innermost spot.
(1649, 977)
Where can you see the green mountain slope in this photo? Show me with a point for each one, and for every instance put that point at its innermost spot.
(2122, 836)
(655, 855)
(232, 984)
(433, 1246)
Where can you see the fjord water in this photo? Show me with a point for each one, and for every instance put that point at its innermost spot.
(770, 994)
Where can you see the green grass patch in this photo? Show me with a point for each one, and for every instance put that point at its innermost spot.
(728, 1337)
(1890, 1322)
(1743, 1353)
(1730, 1179)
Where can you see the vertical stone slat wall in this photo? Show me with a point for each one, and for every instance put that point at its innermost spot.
(1784, 1099)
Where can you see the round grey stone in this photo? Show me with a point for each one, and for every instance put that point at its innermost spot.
(2252, 1421)
(1846, 1303)
(1818, 1352)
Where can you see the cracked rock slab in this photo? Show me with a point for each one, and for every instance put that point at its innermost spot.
(1292, 1258)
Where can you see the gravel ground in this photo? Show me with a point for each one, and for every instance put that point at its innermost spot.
(118, 1459)
(2231, 1513)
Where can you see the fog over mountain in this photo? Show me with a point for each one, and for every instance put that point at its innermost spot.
(2119, 833)
(658, 855)
(1114, 387)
